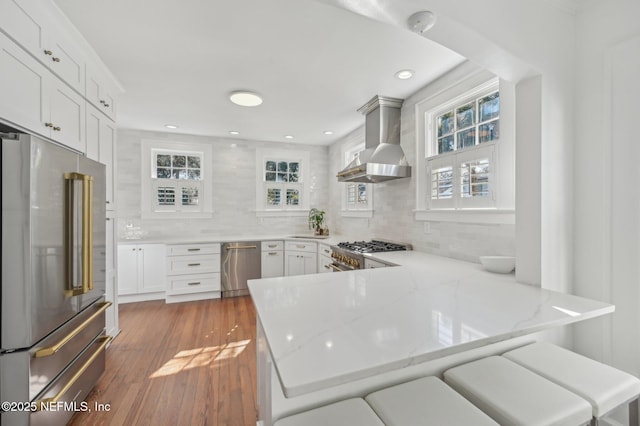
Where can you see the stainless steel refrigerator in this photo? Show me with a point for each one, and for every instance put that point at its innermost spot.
(53, 280)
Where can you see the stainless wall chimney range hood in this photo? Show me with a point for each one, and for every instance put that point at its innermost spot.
(383, 158)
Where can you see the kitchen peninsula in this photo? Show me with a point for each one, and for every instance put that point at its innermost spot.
(331, 336)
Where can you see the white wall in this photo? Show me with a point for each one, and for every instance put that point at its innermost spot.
(607, 230)
(234, 189)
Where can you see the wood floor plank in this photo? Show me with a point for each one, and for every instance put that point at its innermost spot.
(190, 363)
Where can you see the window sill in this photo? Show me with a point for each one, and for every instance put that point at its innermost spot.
(367, 214)
(176, 215)
(282, 213)
(482, 216)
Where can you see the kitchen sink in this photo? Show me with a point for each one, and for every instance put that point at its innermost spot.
(313, 237)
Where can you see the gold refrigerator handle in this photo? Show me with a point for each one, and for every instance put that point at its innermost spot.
(42, 403)
(87, 233)
(51, 350)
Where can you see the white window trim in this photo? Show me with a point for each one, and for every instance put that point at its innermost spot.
(365, 211)
(302, 210)
(504, 212)
(148, 182)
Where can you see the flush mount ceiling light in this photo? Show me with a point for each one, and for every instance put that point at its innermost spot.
(404, 74)
(421, 22)
(171, 126)
(245, 98)
(234, 132)
(328, 132)
(288, 136)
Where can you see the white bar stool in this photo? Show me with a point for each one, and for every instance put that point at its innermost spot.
(425, 401)
(513, 395)
(349, 412)
(603, 386)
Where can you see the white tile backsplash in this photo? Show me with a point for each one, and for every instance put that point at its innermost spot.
(234, 190)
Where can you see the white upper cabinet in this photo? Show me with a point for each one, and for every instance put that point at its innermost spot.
(67, 115)
(36, 100)
(24, 87)
(101, 145)
(29, 24)
(100, 93)
(44, 85)
(23, 20)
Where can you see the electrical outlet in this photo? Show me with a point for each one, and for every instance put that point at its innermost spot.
(427, 227)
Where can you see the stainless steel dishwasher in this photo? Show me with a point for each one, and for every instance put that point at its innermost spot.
(241, 261)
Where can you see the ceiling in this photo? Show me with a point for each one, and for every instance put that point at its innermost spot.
(314, 64)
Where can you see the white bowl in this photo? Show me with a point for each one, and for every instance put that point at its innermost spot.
(500, 264)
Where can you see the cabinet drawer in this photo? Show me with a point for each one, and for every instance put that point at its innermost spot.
(200, 264)
(196, 283)
(324, 250)
(301, 246)
(192, 249)
(272, 245)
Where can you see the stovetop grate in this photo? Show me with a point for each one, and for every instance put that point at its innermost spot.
(373, 246)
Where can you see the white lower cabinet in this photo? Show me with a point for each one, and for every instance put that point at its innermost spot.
(272, 261)
(193, 272)
(141, 272)
(324, 258)
(300, 258)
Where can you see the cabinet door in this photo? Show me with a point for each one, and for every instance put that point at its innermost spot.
(152, 268)
(272, 264)
(67, 116)
(107, 155)
(310, 261)
(294, 263)
(24, 88)
(127, 269)
(24, 21)
(111, 289)
(64, 58)
(99, 93)
(92, 123)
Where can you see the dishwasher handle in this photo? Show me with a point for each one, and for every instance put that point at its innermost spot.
(240, 247)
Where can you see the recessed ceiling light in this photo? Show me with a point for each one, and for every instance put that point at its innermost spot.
(245, 98)
(234, 132)
(328, 132)
(288, 136)
(170, 126)
(404, 74)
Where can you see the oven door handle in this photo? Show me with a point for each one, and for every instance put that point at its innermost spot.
(336, 269)
(51, 350)
(43, 403)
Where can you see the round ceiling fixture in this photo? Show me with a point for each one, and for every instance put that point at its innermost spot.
(288, 136)
(234, 132)
(245, 98)
(328, 132)
(171, 126)
(421, 22)
(404, 74)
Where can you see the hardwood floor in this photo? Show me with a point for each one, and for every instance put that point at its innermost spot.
(190, 363)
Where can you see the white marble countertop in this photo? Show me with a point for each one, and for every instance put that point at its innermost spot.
(328, 329)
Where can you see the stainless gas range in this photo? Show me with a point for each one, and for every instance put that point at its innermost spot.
(349, 256)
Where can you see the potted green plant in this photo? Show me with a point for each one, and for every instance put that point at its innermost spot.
(316, 222)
